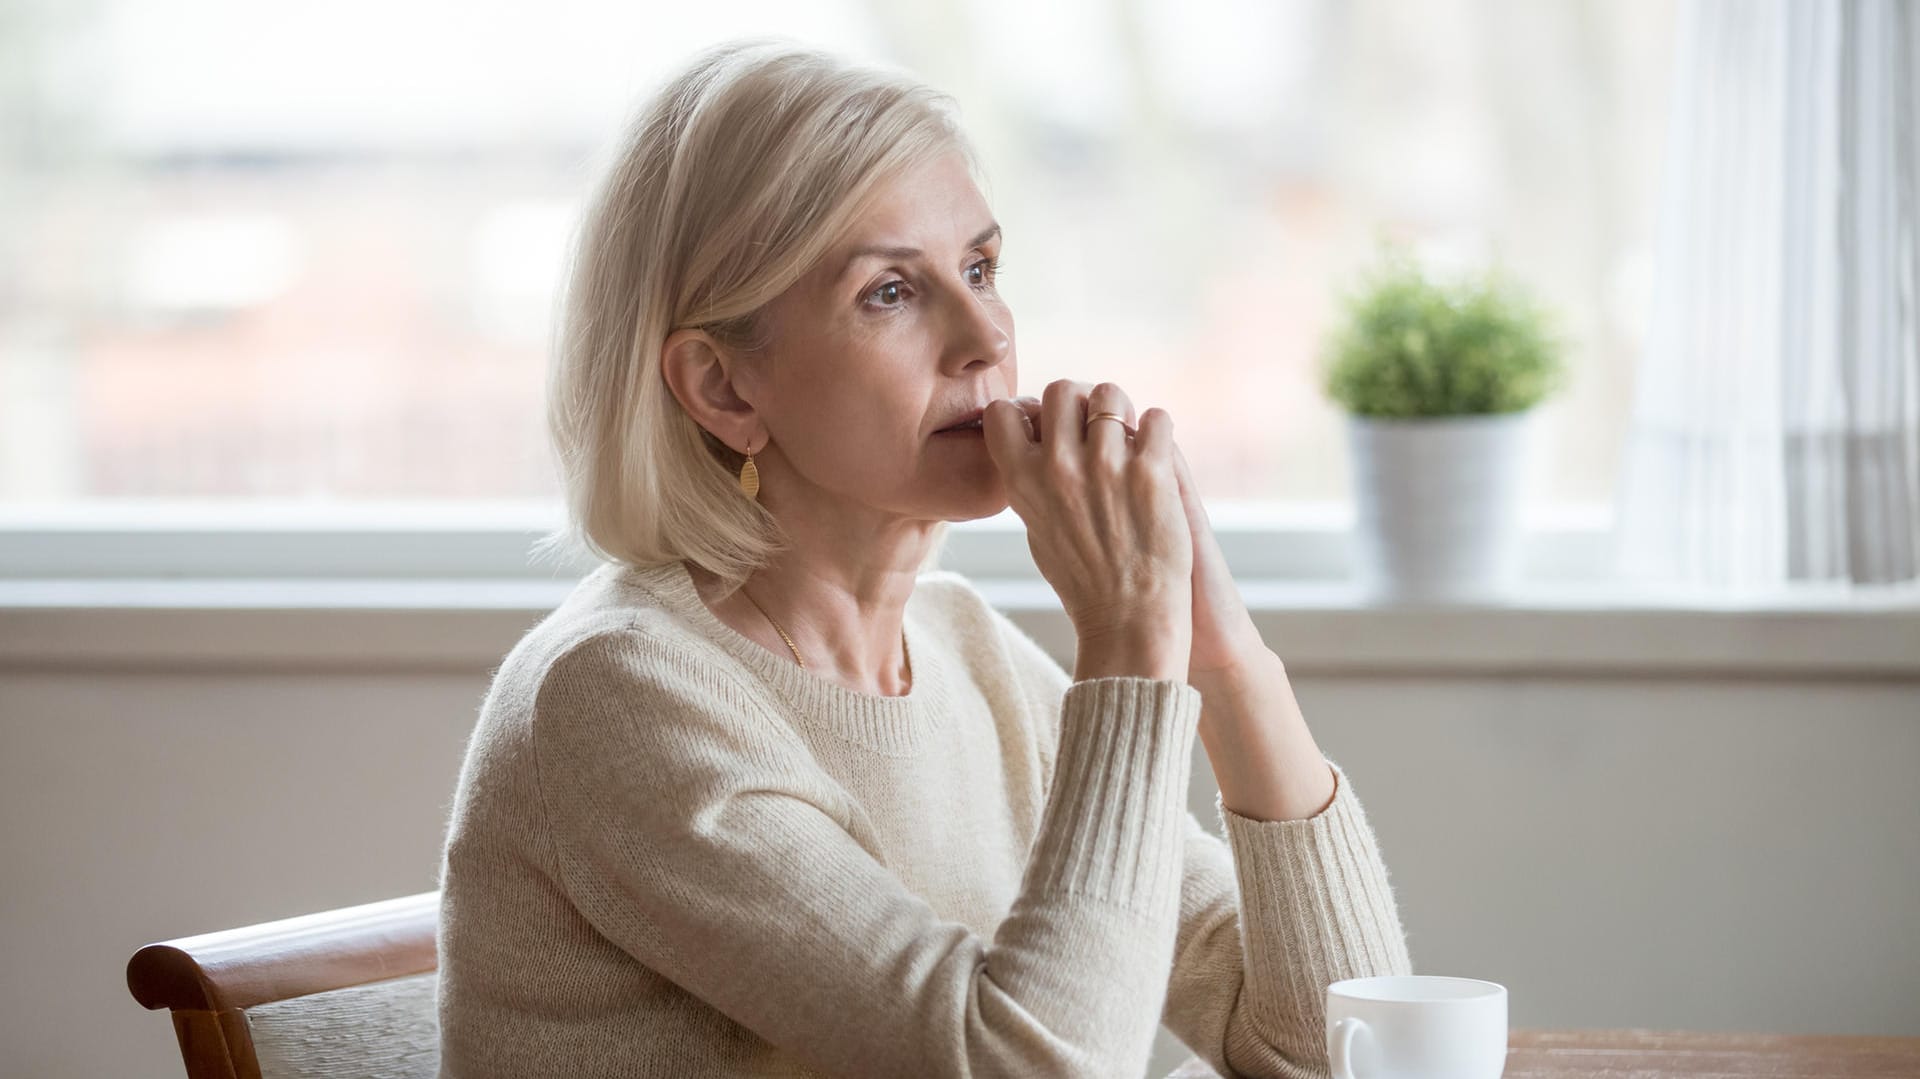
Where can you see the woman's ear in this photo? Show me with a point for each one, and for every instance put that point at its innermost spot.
(700, 373)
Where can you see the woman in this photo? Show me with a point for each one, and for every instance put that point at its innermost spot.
(768, 795)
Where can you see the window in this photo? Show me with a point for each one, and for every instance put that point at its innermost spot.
(260, 253)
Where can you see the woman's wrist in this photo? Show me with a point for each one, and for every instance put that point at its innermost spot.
(1159, 654)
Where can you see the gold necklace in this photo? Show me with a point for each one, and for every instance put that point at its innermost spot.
(776, 627)
(796, 652)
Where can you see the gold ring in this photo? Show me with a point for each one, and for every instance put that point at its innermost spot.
(1106, 416)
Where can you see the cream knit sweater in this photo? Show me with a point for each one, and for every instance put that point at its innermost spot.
(674, 852)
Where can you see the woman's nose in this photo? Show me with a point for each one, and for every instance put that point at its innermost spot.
(974, 336)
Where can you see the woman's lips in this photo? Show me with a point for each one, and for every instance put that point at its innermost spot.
(974, 425)
(972, 417)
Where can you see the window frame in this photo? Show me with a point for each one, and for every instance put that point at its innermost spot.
(447, 589)
(187, 540)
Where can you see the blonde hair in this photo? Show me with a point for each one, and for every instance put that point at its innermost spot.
(731, 181)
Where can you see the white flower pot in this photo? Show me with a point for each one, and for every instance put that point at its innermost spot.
(1436, 506)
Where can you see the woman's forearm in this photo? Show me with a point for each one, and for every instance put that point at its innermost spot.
(1263, 756)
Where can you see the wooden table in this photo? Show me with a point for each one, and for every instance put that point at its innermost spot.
(1665, 1054)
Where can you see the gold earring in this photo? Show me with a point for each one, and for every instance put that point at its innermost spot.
(750, 475)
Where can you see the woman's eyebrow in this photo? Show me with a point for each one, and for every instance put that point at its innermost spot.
(859, 253)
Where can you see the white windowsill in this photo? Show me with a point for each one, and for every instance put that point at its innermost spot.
(193, 592)
(1319, 628)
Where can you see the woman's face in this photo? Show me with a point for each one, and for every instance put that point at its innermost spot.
(899, 331)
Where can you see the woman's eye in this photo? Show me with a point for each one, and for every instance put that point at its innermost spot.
(889, 293)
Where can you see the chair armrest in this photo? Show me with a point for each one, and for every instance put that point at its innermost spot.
(293, 957)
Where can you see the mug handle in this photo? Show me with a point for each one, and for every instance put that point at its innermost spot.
(1342, 1046)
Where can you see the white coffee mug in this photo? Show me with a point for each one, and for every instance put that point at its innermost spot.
(1416, 1026)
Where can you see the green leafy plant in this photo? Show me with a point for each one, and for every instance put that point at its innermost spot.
(1411, 346)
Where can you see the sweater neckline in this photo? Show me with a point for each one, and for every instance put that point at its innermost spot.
(884, 723)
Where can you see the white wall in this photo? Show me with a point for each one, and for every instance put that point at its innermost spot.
(1678, 852)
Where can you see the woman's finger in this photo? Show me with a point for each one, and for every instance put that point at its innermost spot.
(1009, 434)
(1154, 437)
(1030, 405)
(1107, 437)
(1063, 413)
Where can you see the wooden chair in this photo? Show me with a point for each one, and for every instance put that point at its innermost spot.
(346, 992)
(341, 993)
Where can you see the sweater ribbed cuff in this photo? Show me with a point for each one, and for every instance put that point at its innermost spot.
(1112, 830)
(1316, 906)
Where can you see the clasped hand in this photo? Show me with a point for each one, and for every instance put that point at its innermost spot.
(1116, 523)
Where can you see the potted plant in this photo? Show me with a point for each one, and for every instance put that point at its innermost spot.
(1439, 379)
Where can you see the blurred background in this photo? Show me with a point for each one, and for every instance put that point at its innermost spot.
(277, 284)
(259, 251)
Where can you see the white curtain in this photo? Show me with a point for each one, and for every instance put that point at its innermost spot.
(1775, 435)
